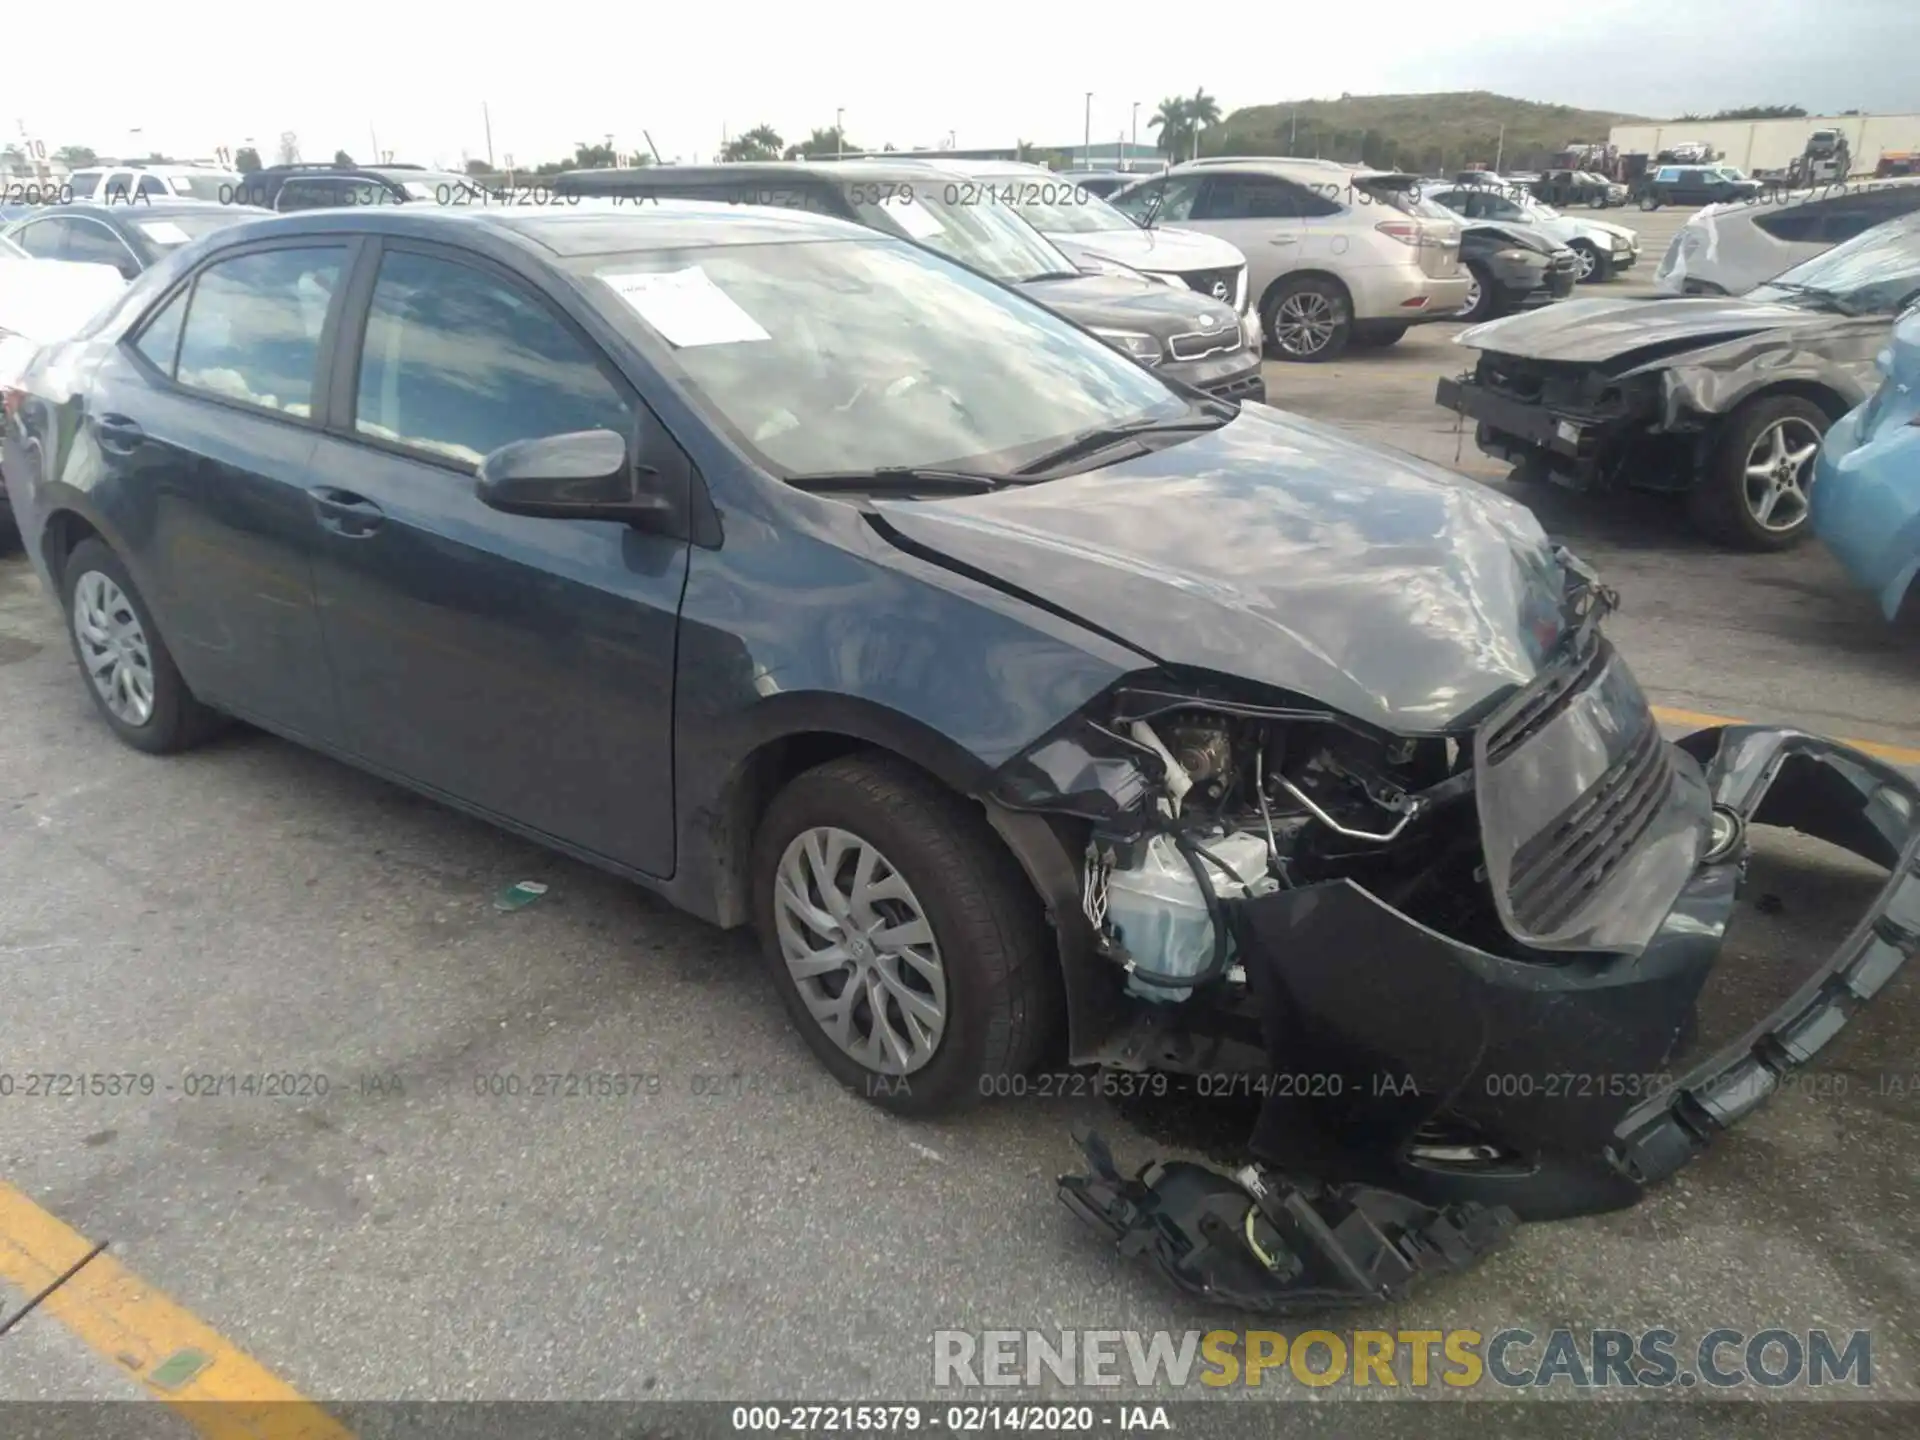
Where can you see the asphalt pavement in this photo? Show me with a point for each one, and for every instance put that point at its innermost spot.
(392, 1223)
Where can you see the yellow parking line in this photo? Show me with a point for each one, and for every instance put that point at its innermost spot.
(219, 1389)
(1897, 754)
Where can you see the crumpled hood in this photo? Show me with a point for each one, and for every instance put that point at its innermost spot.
(1164, 250)
(1282, 551)
(1594, 330)
(1507, 232)
(1133, 302)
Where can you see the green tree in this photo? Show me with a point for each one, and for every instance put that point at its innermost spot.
(821, 145)
(1174, 126)
(340, 157)
(1203, 113)
(762, 142)
(74, 155)
(479, 167)
(246, 159)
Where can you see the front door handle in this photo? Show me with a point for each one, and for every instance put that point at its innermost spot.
(119, 433)
(346, 513)
(1281, 240)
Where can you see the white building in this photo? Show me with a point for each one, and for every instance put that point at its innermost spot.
(1773, 144)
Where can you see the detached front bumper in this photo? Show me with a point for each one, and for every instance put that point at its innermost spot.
(1466, 1088)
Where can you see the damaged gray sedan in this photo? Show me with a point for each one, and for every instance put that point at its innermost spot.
(1031, 705)
(1722, 398)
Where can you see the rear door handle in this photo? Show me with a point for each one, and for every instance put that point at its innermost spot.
(119, 433)
(1281, 240)
(346, 513)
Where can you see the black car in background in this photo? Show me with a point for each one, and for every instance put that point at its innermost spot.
(1027, 705)
(319, 187)
(1188, 337)
(1696, 185)
(130, 236)
(1513, 268)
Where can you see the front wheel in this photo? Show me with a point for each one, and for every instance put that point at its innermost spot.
(1483, 297)
(907, 944)
(1309, 320)
(130, 673)
(1753, 493)
(1591, 266)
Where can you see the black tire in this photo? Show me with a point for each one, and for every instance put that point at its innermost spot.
(9, 530)
(1380, 338)
(1718, 500)
(1331, 294)
(1487, 307)
(177, 720)
(1602, 270)
(995, 949)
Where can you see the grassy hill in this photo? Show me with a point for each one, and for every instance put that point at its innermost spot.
(1427, 133)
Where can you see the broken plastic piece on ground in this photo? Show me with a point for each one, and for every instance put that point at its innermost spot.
(519, 895)
(1261, 1242)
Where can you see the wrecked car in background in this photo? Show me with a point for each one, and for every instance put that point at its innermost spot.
(1724, 399)
(1003, 685)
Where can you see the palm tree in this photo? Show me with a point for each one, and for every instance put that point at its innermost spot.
(762, 142)
(821, 144)
(1174, 127)
(1202, 112)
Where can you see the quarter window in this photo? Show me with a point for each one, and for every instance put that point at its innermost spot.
(253, 326)
(458, 363)
(94, 243)
(159, 340)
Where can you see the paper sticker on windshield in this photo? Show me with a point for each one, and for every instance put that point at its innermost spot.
(911, 215)
(686, 307)
(164, 232)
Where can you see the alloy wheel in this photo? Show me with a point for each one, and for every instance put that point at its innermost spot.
(1304, 323)
(113, 647)
(861, 950)
(1583, 260)
(1472, 307)
(1779, 472)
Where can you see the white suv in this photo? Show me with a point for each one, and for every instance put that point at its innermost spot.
(117, 184)
(1336, 254)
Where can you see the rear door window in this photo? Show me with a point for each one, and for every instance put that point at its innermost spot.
(1247, 197)
(253, 324)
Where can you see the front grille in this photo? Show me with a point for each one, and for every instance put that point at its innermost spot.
(1549, 696)
(1220, 284)
(1198, 344)
(1251, 387)
(1555, 872)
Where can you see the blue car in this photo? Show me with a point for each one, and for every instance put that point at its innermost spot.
(1866, 499)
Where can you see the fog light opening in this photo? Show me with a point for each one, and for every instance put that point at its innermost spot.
(1725, 832)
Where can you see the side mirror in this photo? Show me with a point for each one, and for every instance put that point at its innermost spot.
(586, 475)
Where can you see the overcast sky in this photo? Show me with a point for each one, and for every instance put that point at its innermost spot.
(195, 74)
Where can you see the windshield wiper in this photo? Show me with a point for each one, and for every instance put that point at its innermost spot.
(899, 480)
(1089, 442)
(1826, 297)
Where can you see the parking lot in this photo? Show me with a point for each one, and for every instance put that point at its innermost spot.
(400, 1226)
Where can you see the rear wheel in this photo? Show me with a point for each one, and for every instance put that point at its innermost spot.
(1753, 494)
(1309, 319)
(130, 673)
(909, 947)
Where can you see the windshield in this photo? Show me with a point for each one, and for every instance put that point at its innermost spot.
(1060, 207)
(1873, 273)
(1405, 198)
(178, 228)
(1538, 208)
(964, 221)
(854, 355)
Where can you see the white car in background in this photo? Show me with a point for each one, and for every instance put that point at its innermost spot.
(42, 301)
(1338, 254)
(1090, 230)
(1728, 249)
(117, 184)
(1601, 248)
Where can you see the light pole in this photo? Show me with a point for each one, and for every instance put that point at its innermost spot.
(1086, 143)
(839, 133)
(1135, 145)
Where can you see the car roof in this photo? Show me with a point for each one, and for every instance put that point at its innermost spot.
(133, 209)
(640, 177)
(566, 231)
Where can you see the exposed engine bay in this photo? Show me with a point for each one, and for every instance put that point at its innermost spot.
(1393, 943)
